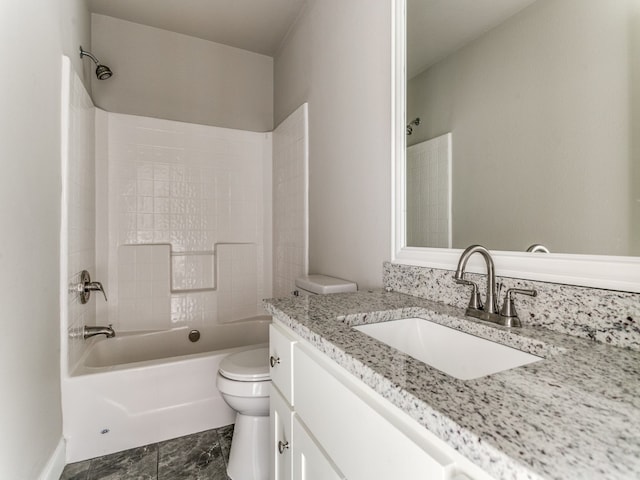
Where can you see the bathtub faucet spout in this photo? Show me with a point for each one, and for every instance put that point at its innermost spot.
(93, 331)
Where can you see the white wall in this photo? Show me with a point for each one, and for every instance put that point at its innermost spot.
(167, 75)
(30, 186)
(539, 109)
(338, 59)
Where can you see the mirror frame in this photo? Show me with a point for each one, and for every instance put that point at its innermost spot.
(599, 271)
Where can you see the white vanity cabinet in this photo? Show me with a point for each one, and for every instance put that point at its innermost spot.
(294, 454)
(281, 344)
(280, 407)
(335, 423)
(310, 461)
(280, 437)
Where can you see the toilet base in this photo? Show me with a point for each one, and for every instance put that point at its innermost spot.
(249, 454)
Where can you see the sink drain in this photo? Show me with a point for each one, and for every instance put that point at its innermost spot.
(194, 335)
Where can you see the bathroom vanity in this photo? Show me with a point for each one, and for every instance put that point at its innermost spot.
(345, 405)
(310, 389)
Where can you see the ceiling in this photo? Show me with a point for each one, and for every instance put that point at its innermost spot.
(436, 28)
(256, 25)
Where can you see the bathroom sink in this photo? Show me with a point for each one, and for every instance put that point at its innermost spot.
(451, 351)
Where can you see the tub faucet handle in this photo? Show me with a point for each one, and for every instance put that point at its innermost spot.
(86, 286)
(95, 287)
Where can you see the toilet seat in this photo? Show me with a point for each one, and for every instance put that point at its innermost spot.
(236, 388)
(246, 366)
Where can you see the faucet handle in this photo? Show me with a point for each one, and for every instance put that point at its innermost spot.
(475, 301)
(508, 310)
(86, 286)
(95, 287)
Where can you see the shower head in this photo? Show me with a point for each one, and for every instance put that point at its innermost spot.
(411, 124)
(102, 71)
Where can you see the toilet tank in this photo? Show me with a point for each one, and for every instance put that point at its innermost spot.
(322, 284)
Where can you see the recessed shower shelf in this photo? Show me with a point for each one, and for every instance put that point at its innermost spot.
(193, 272)
(179, 291)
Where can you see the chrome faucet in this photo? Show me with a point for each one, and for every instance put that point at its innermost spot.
(489, 311)
(89, 332)
(491, 300)
(538, 248)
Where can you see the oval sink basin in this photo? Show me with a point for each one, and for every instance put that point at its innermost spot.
(451, 351)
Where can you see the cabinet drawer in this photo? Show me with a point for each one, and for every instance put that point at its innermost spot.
(349, 424)
(281, 361)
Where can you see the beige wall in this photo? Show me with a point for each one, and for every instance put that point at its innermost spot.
(167, 75)
(338, 58)
(634, 178)
(539, 109)
(31, 46)
(75, 30)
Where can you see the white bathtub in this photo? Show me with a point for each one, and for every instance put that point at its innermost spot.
(137, 389)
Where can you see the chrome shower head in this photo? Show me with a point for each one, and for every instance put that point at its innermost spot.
(102, 71)
(411, 124)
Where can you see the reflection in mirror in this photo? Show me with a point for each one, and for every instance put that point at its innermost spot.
(429, 193)
(541, 99)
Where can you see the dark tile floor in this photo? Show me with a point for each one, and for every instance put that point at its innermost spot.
(195, 457)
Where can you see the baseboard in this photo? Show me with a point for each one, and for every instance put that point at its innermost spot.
(55, 465)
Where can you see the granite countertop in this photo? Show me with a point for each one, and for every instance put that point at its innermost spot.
(574, 415)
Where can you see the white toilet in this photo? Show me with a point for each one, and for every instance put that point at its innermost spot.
(243, 381)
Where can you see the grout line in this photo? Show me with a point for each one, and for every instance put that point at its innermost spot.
(157, 461)
(90, 469)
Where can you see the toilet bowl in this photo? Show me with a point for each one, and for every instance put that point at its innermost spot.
(244, 383)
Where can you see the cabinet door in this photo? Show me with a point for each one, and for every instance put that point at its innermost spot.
(281, 361)
(280, 436)
(310, 462)
(350, 424)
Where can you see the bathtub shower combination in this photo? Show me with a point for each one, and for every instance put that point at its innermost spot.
(176, 220)
(137, 389)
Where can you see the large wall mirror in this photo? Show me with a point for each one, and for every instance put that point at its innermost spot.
(519, 124)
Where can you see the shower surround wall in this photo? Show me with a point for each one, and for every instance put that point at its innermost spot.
(290, 201)
(78, 212)
(183, 222)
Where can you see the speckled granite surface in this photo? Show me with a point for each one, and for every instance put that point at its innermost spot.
(603, 315)
(574, 415)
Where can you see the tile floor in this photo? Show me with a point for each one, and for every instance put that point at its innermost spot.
(195, 457)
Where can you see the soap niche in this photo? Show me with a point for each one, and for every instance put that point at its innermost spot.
(150, 275)
(193, 271)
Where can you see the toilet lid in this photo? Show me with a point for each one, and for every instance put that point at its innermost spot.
(247, 366)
